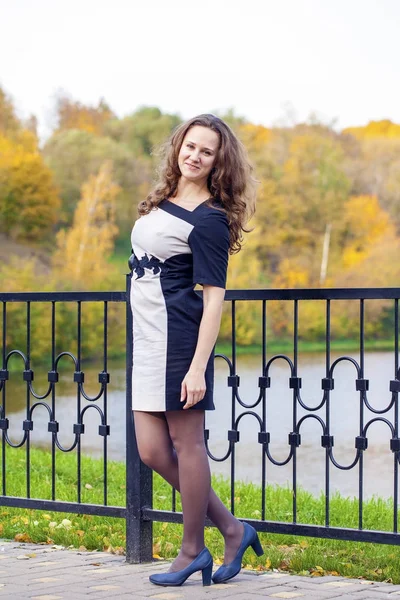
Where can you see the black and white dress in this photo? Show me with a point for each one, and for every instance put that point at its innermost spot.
(173, 250)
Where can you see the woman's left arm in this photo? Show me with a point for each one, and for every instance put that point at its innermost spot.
(193, 385)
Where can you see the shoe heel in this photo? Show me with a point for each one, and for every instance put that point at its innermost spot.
(256, 545)
(206, 575)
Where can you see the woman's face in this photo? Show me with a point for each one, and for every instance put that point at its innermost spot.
(198, 153)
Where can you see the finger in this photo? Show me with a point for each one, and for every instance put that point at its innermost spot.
(183, 391)
(196, 397)
(190, 398)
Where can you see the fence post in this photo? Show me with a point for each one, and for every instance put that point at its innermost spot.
(139, 488)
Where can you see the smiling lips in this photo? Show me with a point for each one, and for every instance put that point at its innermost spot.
(191, 166)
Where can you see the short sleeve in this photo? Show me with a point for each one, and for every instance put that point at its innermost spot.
(209, 243)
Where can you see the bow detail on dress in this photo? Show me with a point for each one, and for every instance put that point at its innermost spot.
(146, 262)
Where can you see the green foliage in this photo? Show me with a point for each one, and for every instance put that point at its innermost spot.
(73, 155)
(143, 131)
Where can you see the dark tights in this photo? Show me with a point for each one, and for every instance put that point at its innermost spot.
(172, 444)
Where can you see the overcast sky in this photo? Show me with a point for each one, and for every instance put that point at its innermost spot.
(269, 60)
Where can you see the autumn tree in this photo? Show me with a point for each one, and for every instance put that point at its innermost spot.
(82, 250)
(9, 123)
(364, 222)
(384, 129)
(144, 130)
(29, 200)
(75, 115)
(75, 155)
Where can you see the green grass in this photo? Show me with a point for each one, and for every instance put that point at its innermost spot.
(308, 556)
(281, 346)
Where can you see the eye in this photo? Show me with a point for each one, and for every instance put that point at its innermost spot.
(207, 152)
(190, 145)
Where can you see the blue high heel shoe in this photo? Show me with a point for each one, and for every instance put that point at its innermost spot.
(250, 538)
(203, 562)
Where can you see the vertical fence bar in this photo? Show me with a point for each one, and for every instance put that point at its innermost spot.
(78, 401)
(295, 392)
(327, 409)
(53, 400)
(264, 411)
(3, 399)
(105, 384)
(361, 463)
(233, 407)
(139, 489)
(396, 419)
(28, 397)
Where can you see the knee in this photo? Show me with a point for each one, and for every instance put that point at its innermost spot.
(154, 458)
(148, 456)
(184, 445)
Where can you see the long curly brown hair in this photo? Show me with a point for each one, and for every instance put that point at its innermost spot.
(230, 181)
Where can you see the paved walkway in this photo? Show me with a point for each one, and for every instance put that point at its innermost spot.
(52, 573)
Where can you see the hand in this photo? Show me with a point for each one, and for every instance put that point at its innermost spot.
(193, 388)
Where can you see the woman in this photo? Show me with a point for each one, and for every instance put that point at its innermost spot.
(188, 225)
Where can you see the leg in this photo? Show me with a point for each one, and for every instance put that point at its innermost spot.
(156, 451)
(187, 433)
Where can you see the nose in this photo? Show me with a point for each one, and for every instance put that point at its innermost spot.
(194, 156)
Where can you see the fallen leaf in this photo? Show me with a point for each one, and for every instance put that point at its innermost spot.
(22, 537)
(83, 549)
(88, 486)
(267, 563)
(80, 532)
(31, 555)
(156, 548)
(47, 517)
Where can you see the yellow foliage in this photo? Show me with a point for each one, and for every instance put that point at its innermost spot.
(365, 222)
(375, 129)
(254, 136)
(84, 248)
(28, 197)
(74, 115)
(291, 275)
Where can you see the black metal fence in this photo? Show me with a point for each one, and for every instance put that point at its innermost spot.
(139, 512)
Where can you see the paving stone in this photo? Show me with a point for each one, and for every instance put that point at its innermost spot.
(387, 588)
(47, 597)
(373, 592)
(287, 595)
(248, 596)
(167, 596)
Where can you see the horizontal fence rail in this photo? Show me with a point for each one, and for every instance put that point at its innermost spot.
(139, 512)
